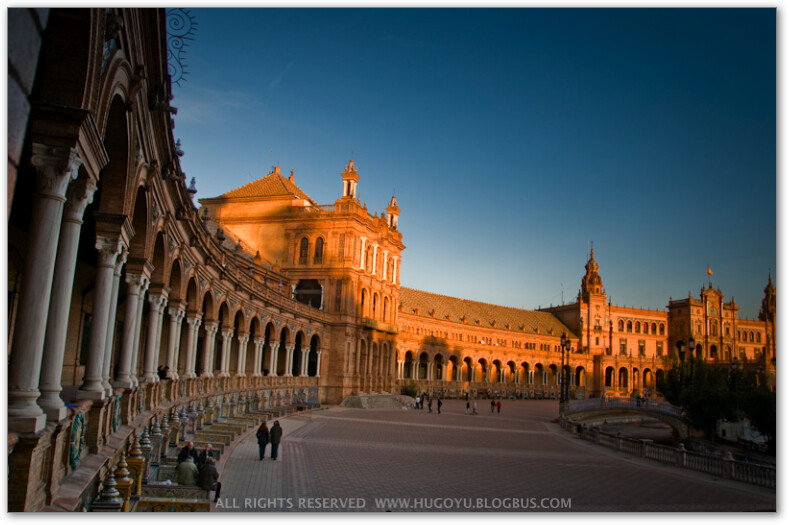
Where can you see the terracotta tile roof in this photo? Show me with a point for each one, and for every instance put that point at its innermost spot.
(441, 306)
(272, 185)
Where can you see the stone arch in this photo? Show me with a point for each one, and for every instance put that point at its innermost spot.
(138, 246)
(580, 376)
(408, 365)
(424, 359)
(623, 378)
(468, 365)
(609, 377)
(269, 334)
(483, 366)
(362, 356)
(495, 374)
(158, 260)
(114, 179)
(237, 352)
(524, 367)
(363, 304)
(541, 375)
(438, 366)
(296, 361)
(282, 354)
(312, 357)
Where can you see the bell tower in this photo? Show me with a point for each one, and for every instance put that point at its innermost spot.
(349, 180)
(595, 319)
(591, 282)
(392, 213)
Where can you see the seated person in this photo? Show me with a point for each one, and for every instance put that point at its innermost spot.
(188, 451)
(208, 478)
(186, 473)
(205, 454)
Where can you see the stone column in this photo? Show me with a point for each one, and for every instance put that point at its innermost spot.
(55, 168)
(272, 371)
(137, 331)
(291, 351)
(318, 365)
(193, 321)
(211, 328)
(256, 365)
(157, 349)
(135, 283)
(174, 340)
(305, 362)
(413, 370)
(224, 363)
(79, 195)
(109, 248)
(157, 302)
(241, 363)
(116, 281)
(361, 262)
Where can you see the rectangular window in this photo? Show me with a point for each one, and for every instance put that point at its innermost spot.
(597, 341)
(659, 349)
(642, 348)
(623, 347)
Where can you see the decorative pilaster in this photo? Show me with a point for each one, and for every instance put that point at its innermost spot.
(243, 339)
(137, 332)
(174, 341)
(193, 321)
(273, 360)
(256, 365)
(116, 280)
(157, 302)
(79, 195)
(224, 362)
(55, 168)
(109, 248)
(211, 328)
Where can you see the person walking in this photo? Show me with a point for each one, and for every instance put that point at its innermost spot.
(186, 473)
(474, 408)
(208, 477)
(416, 401)
(492, 405)
(498, 407)
(430, 405)
(275, 435)
(438, 404)
(468, 406)
(263, 439)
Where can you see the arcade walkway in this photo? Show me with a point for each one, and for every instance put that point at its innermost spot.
(349, 460)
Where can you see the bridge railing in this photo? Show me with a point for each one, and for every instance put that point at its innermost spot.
(613, 403)
(722, 466)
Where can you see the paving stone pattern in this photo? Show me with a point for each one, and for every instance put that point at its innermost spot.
(342, 459)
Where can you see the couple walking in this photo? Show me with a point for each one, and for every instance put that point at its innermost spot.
(266, 436)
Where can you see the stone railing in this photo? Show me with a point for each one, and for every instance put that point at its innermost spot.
(722, 466)
(613, 403)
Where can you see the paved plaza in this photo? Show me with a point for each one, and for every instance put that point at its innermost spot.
(344, 459)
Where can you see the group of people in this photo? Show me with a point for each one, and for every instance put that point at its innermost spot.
(163, 372)
(419, 403)
(198, 469)
(266, 436)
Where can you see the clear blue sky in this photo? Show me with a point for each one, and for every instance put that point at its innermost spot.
(511, 138)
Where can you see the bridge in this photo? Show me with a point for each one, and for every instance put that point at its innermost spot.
(601, 408)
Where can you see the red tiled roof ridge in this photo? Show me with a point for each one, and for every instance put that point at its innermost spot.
(263, 187)
(470, 300)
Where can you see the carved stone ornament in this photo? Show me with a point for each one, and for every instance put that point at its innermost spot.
(108, 248)
(78, 196)
(135, 279)
(156, 212)
(188, 265)
(172, 244)
(55, 168)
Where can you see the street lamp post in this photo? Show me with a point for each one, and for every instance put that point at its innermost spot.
(681, 352)
(562, 398)
(691, 347)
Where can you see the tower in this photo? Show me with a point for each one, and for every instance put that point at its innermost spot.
(349, 180)
(594, 315)
(392, 213)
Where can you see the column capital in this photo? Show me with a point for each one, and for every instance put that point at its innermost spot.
(179, 310)
(136, 280)
(157, 301)
(259, 340)
(211, 326)
(109, 248)
(227, 333)
(121, 260)
(194, 320)
(55, 168)
(78, 195)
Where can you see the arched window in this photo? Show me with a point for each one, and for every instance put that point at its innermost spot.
(654, 328)
(375, 303)
(304, 250)
(758, 337)
(621, 325)
(386, 309)
(662, 329)
(638, 327)
(750, 337)
(318, 250)
(630, 326)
